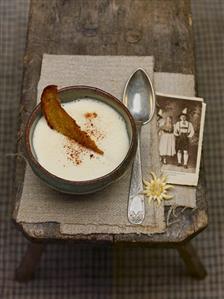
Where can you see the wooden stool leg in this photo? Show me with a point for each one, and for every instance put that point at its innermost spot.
(119, 264)
(29, 262)
(192, 261)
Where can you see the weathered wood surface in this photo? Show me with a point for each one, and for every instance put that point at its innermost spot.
(110, 27)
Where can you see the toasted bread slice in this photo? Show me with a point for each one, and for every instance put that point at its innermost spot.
(59, 120)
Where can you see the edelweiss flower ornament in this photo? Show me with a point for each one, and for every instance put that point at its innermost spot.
(157, 188)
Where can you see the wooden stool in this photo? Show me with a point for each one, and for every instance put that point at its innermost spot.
(164, 30)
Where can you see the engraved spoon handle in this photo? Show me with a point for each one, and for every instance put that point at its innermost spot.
(136, 205)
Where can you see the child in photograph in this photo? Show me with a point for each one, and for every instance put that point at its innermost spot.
(167, 138)
(183, 131)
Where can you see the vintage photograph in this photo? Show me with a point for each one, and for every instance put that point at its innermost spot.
(180, 122)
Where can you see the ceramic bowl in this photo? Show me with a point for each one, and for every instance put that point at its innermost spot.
(89, 186)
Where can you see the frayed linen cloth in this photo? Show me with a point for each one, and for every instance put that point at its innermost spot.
(106, 211)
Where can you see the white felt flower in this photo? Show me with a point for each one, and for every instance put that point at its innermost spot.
(157, 188)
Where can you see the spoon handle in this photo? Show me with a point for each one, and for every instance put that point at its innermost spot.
(136, 205)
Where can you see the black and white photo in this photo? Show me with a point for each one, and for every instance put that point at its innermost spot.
(180, 122)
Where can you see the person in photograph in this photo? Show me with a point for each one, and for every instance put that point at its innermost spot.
(183, 130)
(167, 139)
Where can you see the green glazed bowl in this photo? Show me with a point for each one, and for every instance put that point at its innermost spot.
(89, 186)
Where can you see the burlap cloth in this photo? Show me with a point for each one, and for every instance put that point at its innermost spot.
(106, 211)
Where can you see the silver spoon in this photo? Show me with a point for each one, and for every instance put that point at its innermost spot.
(139, 97)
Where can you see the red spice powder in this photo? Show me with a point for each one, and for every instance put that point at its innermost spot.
(90, 115)
(91, 128)
(74, 151)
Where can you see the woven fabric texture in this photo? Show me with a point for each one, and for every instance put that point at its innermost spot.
(84, 271)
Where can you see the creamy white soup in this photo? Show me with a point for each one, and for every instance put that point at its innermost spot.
(67, 159)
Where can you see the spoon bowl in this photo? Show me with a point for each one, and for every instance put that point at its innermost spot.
(139, 97)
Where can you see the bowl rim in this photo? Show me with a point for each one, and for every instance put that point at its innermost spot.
(132, 145)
